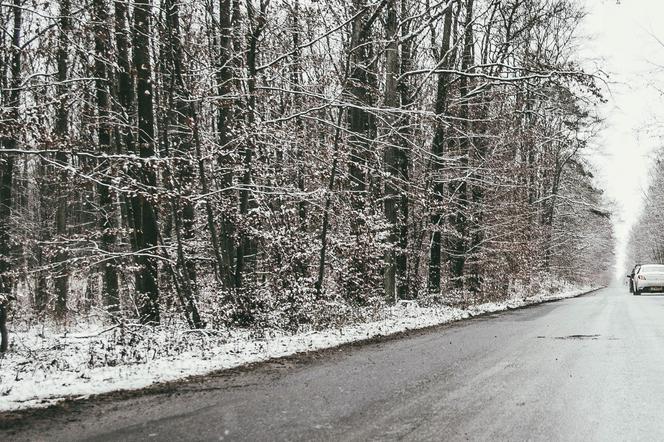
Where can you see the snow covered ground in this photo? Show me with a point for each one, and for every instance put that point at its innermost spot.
(46, 365)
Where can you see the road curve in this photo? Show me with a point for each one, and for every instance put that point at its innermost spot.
(590, 368)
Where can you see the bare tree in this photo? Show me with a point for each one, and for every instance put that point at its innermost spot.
(286, 163)
(145, 221)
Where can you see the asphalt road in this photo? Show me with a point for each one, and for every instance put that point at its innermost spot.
(590, 368)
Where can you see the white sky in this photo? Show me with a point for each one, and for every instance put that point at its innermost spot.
(623, 42)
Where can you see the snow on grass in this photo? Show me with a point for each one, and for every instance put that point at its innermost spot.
(45, 365)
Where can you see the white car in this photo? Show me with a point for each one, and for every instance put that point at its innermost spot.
(649, 278)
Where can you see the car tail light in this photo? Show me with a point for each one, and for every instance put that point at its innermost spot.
(642, 277)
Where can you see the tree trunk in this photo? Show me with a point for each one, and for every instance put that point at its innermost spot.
(328, 204)
(124, 93)
(4, 334)
(393, 181)
(11, 100)
(360, 85)
(437, 151)
(256, 25)
(145, 221)
(296, 80)
(404, 289)
(102, 38)
(62, 134)
(459, 186)
(184, 118)
(223, 245)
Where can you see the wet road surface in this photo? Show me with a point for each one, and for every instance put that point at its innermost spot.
(590, 368)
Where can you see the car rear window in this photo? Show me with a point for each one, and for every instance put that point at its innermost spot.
(652, 268)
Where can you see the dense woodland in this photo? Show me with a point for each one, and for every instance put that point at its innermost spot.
(287, 162)
(645, 244)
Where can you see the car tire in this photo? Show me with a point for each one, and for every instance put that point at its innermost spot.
(637, 293)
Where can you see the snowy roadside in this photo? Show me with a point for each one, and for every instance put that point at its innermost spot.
(45, 366)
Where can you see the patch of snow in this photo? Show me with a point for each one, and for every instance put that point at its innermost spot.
(46, 366)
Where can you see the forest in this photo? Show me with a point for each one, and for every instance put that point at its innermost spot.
(644, 244)
(282, 163)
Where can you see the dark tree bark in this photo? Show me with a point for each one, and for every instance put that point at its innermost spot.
(4, 334)
(125, 86)
(61, 282)
(404, 289)
(459, 187)
(394, 182)
(181, 117)
(124, 109)
(360, 89)
(296, 80)
(437, 151)
(6, 175)
(11, 99)
(102, 39)
(145, 221)
(223, 245)
(257, 22)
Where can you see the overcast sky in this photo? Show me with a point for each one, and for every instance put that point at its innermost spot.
(623, 41)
